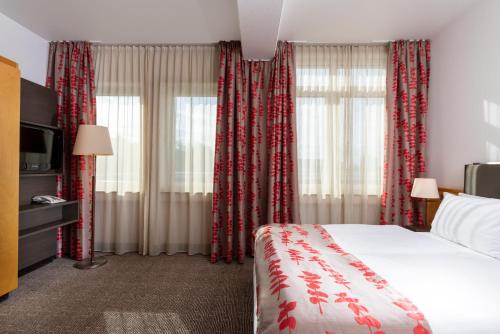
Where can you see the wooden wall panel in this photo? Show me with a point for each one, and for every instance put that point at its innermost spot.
(9, 173)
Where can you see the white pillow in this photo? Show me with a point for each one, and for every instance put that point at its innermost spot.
(470, 221)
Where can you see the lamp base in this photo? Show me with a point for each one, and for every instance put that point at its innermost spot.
(87, 264)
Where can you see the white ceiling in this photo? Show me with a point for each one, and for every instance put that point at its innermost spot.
(363, 21)
(206, 21)
(127, 21)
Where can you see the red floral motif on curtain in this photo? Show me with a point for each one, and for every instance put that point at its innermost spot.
(70, 73)
(281, 139)
(240, 196)
(407, 105)
(237, 195)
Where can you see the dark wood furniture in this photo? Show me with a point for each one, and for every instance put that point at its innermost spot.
(419, 228)
(38, 104)
(38, 223)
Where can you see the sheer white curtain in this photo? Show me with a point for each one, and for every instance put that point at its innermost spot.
(159, 102)
(341, 93)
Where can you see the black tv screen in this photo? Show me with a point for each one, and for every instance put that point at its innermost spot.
(41, 149)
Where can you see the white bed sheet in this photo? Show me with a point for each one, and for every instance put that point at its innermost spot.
(456, 288)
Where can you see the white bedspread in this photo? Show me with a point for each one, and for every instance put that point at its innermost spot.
(456, 288)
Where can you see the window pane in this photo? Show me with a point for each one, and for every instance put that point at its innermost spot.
(310, 117)
(120, 172)
(370, 78)
(367, 139)
(341, 80)
(195, 118)
(313, 78)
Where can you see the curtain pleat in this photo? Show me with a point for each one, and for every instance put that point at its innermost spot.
(70, 73)
(341, 92)
(248, 172)
(407, 105)
(238, 201)
(281, 139)
(155, 194)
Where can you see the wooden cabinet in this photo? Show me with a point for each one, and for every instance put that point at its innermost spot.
(9, 173)
(38, 224)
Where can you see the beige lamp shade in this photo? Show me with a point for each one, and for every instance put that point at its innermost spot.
(92, 140)
(425, 188)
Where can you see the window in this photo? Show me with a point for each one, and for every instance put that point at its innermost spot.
(120, 172)
(195, 119)
(340, 129)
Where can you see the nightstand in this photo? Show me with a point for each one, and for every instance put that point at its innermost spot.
(418, 228)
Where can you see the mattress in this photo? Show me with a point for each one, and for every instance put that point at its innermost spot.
(307, 283)
(456, 288)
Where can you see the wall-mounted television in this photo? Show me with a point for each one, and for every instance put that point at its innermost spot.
(41, 149)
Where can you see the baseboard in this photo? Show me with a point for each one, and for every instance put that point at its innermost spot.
(35, 266)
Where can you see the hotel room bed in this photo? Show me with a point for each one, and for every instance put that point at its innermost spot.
(456, 288)
(349, 279)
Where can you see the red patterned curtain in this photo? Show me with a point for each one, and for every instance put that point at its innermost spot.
(281, 139)
(70, 73)
(407, 105)
(237, 196)
(242, 159)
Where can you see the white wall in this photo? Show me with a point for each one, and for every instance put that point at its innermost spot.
(24, 47)
(464, 114)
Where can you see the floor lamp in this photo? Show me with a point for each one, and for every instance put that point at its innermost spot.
(92, 140)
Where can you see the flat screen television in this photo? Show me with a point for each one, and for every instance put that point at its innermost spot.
(41, 149)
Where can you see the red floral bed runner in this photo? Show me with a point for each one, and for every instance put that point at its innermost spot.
(306, 283)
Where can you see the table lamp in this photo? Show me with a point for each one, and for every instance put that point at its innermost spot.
(92, 140)
(425, 188)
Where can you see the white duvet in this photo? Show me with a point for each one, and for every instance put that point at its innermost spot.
(456, 288)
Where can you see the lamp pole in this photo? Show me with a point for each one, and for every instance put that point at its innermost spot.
(93, 262)
(92, 140)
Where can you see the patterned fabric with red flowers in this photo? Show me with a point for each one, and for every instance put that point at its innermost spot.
(70, 73)
(244, 196)
(407, 105)
(306, 283)
(238, 188)
(281, 139)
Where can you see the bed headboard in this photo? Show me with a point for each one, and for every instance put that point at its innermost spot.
(482, 180)
(432, 205)
(479, 179)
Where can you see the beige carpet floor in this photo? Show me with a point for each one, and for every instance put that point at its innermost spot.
(133, 294)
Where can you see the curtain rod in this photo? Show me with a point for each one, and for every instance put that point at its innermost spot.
(215, 43)
(153, 44)
(377, 43)
(341, 44)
